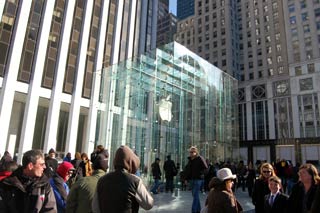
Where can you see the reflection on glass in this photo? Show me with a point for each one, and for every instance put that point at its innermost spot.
(163, 102)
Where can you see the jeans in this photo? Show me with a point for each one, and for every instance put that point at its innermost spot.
(196, 184)
(155, 186)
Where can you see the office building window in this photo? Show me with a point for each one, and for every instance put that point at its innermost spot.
(303, 4)
(309, 54)
(281, 88)
(294, 32)
(30, 42)
(318, 25)
(275, 5)
(269, 49)
(278, 47)
(304, 16)
(308, 42)
(257, 31)
(291, 8)
(306, 84)
(251, 76)
(280, 70)
(270, 72)
(267, 28)
(306, 28)
(298, 70)
(293, 20)
(311, 68)
(317, 12)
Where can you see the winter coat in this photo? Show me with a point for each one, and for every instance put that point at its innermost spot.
(22, 194)
(155, 169)
(279, 204)
(61, 191)
(316, 204)
(260, 190)
(170, 169)
(297, 197)
(121, 191)
(81, 193)
(196, 168)
(221, 200)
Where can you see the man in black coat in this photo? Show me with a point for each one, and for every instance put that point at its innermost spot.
(194, 173)
(156, 173)
(170, 171)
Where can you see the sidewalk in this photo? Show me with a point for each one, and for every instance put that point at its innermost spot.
(167, 202)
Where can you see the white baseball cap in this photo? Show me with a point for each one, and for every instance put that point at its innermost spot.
(225, 174)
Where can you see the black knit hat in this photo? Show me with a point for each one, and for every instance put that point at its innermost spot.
(52, 151)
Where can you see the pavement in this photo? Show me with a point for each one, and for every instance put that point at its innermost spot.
(181, 201)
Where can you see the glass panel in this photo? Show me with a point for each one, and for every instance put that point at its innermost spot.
(165, 101)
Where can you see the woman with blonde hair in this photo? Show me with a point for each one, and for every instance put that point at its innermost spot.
(261, 188)
(303, 195)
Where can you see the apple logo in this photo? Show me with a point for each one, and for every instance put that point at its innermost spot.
(165, 106)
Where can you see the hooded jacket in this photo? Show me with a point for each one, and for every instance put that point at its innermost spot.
(19, 193)
(121, 191)
(60, 188)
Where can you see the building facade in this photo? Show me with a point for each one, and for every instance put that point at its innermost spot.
(165, 101)
(274, 53)
(49, 53)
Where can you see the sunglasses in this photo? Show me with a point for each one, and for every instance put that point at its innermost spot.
(266, 171)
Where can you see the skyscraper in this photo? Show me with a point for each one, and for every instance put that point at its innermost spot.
(272, 48)
(185, 8)
(166, 25)
(50, 51)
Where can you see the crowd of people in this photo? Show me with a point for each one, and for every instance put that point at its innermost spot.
(42, 184)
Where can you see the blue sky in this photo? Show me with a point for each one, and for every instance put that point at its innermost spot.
(173, 6)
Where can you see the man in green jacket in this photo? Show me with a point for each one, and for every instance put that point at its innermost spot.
(82, 192)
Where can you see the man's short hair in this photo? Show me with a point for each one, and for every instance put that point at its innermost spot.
(31, 156)
(275, 179)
